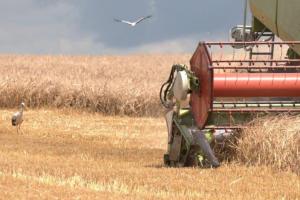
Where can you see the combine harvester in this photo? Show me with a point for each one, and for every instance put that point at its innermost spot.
(225, 92)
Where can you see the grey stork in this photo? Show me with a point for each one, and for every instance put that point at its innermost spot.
(17, 117)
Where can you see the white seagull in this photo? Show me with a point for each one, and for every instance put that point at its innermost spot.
(133, 23)
(17, 117)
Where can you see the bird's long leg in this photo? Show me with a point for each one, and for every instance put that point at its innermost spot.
(21, 130)
(17, 129)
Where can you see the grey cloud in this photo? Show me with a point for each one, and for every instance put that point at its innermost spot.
(87, 27)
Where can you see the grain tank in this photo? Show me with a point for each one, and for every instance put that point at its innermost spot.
(281, 17)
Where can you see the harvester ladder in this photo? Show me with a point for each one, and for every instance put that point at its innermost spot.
(265, 53)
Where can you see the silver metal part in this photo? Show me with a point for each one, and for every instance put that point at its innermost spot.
(181, 86)
(175, 149)
(169, 121)
(221, 135)
(240, 33)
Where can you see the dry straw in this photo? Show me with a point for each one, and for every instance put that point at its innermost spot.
(273, 141)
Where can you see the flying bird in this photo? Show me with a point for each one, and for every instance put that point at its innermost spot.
(133, 23)
(17, 117)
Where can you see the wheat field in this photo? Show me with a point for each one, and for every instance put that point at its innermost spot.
(66, 154)
(94, 129)
(114, 85)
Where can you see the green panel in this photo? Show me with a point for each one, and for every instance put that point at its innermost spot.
(257, 26)
(183, 128)
(186, 118)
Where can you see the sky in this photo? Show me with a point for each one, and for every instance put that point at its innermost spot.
(86, 27)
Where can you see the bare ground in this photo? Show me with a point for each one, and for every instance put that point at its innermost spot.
(63, 154)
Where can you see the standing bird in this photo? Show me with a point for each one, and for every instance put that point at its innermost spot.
(17, 117)
(133, 23)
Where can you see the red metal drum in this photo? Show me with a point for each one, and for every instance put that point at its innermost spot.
(256, 85)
